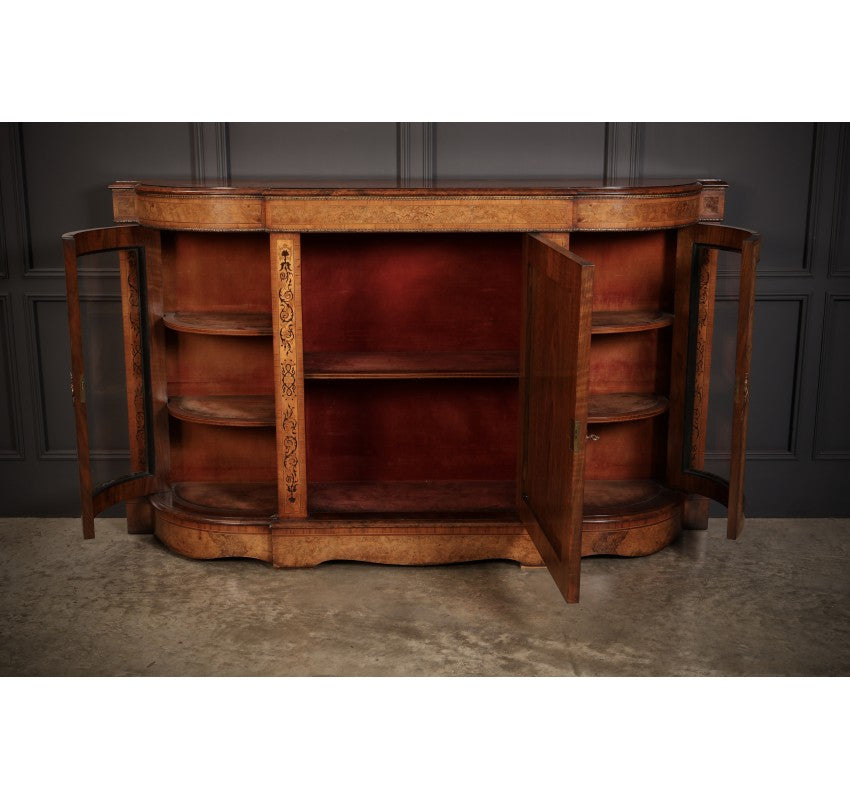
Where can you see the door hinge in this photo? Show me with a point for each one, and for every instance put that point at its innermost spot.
(82, 388)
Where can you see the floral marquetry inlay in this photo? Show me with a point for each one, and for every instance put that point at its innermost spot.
(286, 295)
(290, 462)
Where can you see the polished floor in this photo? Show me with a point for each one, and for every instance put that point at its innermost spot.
(776, 602)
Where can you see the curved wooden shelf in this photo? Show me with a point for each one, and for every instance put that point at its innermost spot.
(632, 500)
(202, 520)
(219, 324)
(413, 497)
(604, 501)
(624, 407)
(247, 501)
(629, 518)
(380, 365)
(231, 410)
(604, 322)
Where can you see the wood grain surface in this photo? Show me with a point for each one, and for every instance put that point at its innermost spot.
(237, 411)
(233, 323)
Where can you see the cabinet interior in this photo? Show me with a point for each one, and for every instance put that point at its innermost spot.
(411, 368)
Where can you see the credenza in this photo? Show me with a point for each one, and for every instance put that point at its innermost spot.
(418, 375)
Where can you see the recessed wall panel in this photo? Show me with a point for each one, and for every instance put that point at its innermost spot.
(519, 150)
(104, 377)
(777, 327)
(331, 150)
(832, 431)
(68, 166)
(10, 434)
(768, 167)
(840, 251)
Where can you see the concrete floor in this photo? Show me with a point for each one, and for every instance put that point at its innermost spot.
(776, 602)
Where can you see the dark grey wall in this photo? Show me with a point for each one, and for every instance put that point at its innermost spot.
(789, 181)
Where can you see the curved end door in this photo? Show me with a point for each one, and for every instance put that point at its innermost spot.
(139, 252)
(695, 270)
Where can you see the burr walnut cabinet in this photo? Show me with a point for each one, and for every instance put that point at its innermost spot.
(418, 376)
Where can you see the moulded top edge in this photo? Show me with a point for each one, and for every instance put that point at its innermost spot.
(459, 187)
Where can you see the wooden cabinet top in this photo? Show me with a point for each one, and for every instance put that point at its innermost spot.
(457, 206)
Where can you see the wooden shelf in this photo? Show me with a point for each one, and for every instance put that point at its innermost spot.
(624, 407)
(604, 501)
(220, 324)
(227, 500)
(629, 321)
(412, 365)
(413, 497)
(629, 500)
(230, 410)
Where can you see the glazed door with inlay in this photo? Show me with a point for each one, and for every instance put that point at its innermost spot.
(696, 265)
(554, 357)
(139, 256)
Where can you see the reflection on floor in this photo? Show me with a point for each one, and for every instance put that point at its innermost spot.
(776, 602)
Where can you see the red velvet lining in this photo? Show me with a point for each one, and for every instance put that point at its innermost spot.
(631, 362)
(632, 271)
(438, 292)
(387, 430)
(218, 454)
(627, 450)
(227, 272)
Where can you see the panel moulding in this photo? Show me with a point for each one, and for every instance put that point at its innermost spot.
(828, 364)
(37, 389)
(8, 364)
(791, 451)
(839, 214)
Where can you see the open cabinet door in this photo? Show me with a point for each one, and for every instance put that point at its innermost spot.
(691, 356)
(139, 251)
(554, 355)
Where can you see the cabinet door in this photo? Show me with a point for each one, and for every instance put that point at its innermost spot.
(691, 359)
(139, 252)
(554, 355)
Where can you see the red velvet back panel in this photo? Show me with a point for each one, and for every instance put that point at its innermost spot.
(218, 454)
(411, 430)
(632, 271)
(627, 450)
(631, 362)
(411, 291)
(232, 275)
(197, 364)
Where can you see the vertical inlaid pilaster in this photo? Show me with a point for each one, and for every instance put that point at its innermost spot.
(289, 377)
